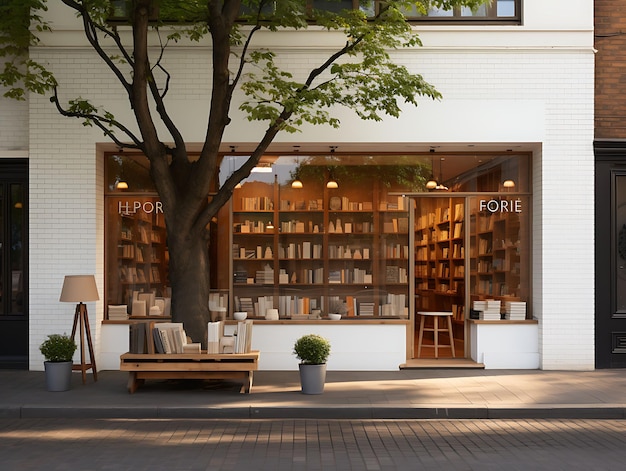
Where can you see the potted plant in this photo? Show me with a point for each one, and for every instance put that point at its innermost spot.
(58, 350)
(312, 350)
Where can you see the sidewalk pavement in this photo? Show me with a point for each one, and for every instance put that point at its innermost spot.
(402, 394)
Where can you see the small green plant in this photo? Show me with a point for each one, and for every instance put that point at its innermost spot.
(312, 349)
(58, 348)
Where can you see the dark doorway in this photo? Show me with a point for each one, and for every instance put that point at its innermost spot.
(14, 263)
(610, 250)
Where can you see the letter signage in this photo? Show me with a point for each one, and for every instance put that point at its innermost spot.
(131, 207)
(501, 206)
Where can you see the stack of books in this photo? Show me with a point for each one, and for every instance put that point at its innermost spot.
(366, 309)
(265, 276)
(489, 310)
(118, 313)
(244, 304)
(515, 310)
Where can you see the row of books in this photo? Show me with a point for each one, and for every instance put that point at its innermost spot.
(301, 205)
(337, 227)
(165, 337)
(170, 338)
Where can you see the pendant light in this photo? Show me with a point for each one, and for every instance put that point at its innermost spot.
(432, 183)
(297, 183)
(332, 183)
(121, 185)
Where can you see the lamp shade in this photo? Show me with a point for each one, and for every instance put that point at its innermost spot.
(79, 288)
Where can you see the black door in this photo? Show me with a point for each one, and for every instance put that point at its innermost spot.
(13, 263)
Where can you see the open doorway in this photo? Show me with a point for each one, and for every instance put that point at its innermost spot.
(471, 267)
(440, 268)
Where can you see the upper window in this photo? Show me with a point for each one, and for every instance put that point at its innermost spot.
(498, 11)
(494, 11)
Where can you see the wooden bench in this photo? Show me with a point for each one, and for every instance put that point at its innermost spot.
(143, 366)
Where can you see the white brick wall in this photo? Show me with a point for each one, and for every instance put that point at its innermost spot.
(13, 124)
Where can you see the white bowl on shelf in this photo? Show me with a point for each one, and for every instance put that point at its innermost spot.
(239, 316)
(334, 317)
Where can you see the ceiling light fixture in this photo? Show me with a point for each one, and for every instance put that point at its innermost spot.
(297, 183)
(432, 183)
(440, 186)
(263, 167)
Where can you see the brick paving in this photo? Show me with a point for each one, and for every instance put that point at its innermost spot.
(308, 444)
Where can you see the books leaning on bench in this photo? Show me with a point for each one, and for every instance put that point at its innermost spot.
(243, 340)
(218, 343)
(170, 337)
(215, 333)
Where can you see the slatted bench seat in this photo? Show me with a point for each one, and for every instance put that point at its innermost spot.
(235, 366)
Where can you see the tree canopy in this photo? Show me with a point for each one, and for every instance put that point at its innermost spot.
(359, 74)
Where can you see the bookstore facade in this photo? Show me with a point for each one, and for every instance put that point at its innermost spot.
(379, 248)
(375, 238)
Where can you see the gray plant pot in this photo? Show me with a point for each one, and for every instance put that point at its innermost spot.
(312, 378)
(58, 375)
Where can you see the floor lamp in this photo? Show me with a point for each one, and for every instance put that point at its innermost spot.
(76, 289)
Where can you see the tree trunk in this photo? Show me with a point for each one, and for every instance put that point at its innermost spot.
(189, 276)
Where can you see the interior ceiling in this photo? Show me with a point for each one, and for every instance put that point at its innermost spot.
(458, 158)
(380, 147)
(448, 159)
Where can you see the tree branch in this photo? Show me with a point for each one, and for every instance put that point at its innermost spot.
(158, 96)
(102, 122)
(91, 28)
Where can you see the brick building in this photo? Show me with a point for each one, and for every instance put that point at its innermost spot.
(610, 175)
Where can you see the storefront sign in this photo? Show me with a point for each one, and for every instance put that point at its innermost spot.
(501, 206)
(131, 207)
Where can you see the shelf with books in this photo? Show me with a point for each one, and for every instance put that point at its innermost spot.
(439, 253)
(139, 263)
(495, 255)
(324, 241)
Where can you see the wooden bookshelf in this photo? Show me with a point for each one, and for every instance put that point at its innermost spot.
(142, 257)
(323, 247)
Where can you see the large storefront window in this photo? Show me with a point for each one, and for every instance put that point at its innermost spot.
(367, 236)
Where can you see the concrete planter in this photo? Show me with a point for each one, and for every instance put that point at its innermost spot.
(312, 378)
(58, 375)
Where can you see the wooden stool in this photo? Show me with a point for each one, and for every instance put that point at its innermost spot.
(436, 315)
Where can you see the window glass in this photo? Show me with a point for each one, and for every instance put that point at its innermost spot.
(16, 247)
(332, 5)
(480, 11)
(127, 172)
(506, 8)
(136, 246)
(500, 252)
(137, 255)
(2, 246)
(620, 250)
